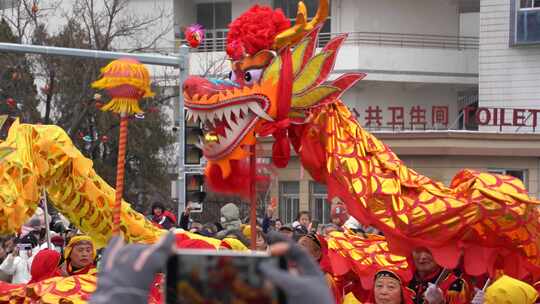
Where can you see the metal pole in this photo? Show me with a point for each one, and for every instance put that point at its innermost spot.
(60, 51)
(180, 123)
(46, 215)
(253, 198)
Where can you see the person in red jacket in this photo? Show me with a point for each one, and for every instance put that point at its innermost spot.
(162, 217)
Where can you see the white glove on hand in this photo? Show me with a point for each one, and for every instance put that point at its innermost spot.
(433, 294)
(478, 297)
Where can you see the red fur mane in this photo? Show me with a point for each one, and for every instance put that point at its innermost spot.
(255, 30)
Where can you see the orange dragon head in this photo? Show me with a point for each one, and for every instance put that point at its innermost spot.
(275, 79)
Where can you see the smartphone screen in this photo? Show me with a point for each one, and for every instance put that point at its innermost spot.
(220, 277)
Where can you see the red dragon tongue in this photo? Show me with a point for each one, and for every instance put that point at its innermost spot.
(220, 126)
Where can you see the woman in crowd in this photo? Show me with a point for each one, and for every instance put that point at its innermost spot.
(390, 289)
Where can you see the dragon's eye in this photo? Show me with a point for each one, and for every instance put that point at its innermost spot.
(232, 76)
(252, 76)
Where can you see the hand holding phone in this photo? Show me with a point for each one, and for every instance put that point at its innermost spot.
(227, 277)
(312, 283)
(128, 270)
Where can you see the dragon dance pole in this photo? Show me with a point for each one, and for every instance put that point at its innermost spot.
(253, 198)
(46, 216)
(120, 166)
(127, 81)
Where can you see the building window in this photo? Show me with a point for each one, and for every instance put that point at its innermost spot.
(290, 8)
(525, 22)
(517, 173)
(289, 201)
(318, 203)
(215, 18)
(524, 4)
(214, 15)
(467, 116)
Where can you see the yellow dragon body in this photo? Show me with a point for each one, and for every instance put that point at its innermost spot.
(44, 157)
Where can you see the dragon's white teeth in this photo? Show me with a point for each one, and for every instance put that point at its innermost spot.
(227, 117)
(234, 122)
(228, 133)
(209, 116)
(195, 117)
(218, 114)
(236, 111)
(189, 115)
(244, 110)
(253, 106)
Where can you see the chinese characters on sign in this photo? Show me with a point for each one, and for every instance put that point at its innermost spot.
(373, 117)
(416, 117)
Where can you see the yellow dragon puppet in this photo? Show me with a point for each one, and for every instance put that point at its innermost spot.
(279, 86)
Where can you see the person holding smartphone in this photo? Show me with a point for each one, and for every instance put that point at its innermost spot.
(18, 261)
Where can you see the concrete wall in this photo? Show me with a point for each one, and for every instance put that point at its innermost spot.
(509, 76)
(403, 16)
(408, 63)
(469, 24)
(376, 16)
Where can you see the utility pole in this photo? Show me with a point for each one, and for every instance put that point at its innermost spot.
(180, 124)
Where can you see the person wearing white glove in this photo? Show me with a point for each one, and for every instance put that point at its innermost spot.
(478, 297)
(433, 285)
(433, 294)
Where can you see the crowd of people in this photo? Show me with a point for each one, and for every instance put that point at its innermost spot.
(431, 283)
(33, 255)
(30, 257)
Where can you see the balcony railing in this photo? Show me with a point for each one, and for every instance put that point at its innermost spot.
(216, 40)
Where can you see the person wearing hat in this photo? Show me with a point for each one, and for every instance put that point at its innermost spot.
(287, 230)
(79, 257)
(45, 265)
(261, 243)
(507, 290)
(389, 288)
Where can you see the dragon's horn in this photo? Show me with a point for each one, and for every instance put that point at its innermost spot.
(295, 33)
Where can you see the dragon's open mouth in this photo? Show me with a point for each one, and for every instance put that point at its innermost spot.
(227, 122)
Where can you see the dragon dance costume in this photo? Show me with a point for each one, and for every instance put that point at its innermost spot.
(280, 86)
